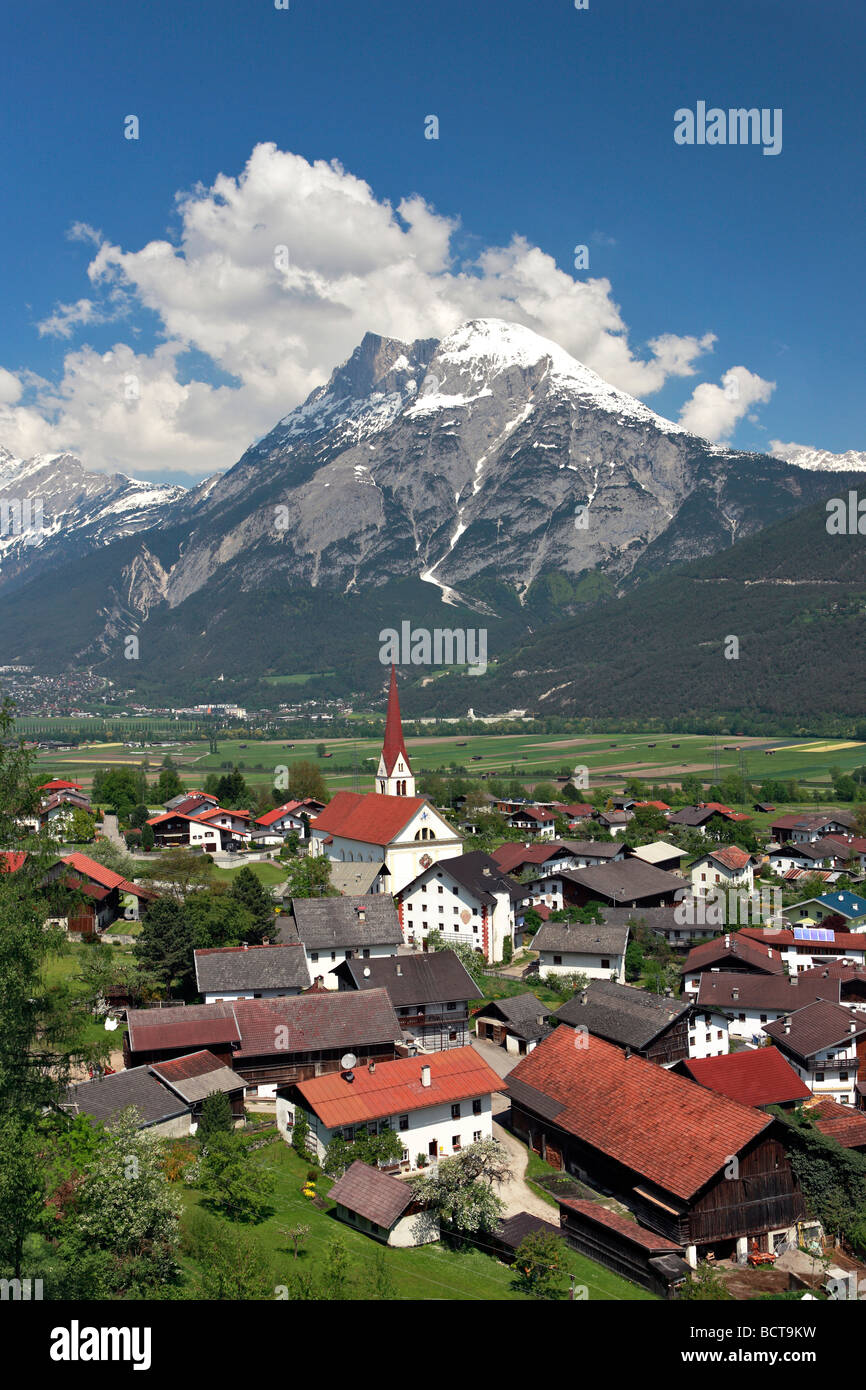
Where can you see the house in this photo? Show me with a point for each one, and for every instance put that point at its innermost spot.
(189, 802)
(654, 1026)
(251, 972)
(730, 867)
(614, 821)
(437, 1104)
(623, 1245)
(760, 1077)
(829, 852)
(109, 896)
(750, 1001)
(548, 890)
(234, 826)
(805, 829)
(305, 1035)
(168, 1098)
(698, 817)
(813, 911)
(736, 952)
(574, 813)
(381, 1206)
(532, 818)
(826, 1044)
(625, 883)
(518, 1024)
(158, 1035)
(587, 948)
(282, 820)
(661, 855)
(336, 929)
(516, 859)
(469, 899)
(662, 921)
(661, 1144)
(803, 948)
(430, 994)
(173, 829)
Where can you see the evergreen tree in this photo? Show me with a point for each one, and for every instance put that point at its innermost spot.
(165, 945)
(215, 1118)
(248, 890)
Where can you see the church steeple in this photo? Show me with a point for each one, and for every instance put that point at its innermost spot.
(394, 774)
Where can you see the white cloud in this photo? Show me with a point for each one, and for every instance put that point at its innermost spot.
(714, 411)
(278, 329)
(10, 388)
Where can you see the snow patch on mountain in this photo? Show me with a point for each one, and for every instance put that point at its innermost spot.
(804, 456)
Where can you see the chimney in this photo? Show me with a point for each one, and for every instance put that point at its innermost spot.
(425, 1076)
(371, 1067)
(584, 995)
(627, 1053)
(266, 941)
(399, 968)
(794, 979)
(787, 1023)
(245, 945)
(727, 943)
(852, 1026)
(735, 994)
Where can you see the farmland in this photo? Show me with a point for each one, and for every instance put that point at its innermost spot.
(610, 759)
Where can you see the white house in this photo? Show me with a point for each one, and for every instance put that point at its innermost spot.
(283, 820)
(468, 898)
(382, 1207)
(251, 972)
(333, 930)
(437, 1104)
(730, 867)
(566, 948)
(820, 1041)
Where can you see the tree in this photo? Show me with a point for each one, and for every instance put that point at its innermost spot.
(321, 750)
(336, 1269)
(215, 1117)
(231, 1264)
(373, 1149)
(148, 838)
(460, 1192)
(234, 1183)
(297, 1235)
(539, 1261)
(123, 1226)
(634, 960)
(117, 788)
(248, 890)
(22, 1196)
(309, 877)
(305, 780)
(138, 815)
(165, 945)
(232, 791)
(706, 1284)
(178, 872)
(300, 1133)
(106, 853)
(168, 785)
(81, 827)
(382, 1281)
(471, 960)
(544, 791)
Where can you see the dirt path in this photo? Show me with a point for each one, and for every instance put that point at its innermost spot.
(515, 1194)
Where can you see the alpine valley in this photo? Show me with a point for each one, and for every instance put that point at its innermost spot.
(485, 480)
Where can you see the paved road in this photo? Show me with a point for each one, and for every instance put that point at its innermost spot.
(111, 832)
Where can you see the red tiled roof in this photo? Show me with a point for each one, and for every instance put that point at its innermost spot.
(221, 811)
(393, 1088)
(631, 1230)
(657, 805)
(11, 860)
(731, 856)
(580, 811)
(762, 1077)
(58, 785)
(663, 1127)
(394, 744)
(509, 855)
(270, 816)
(738, 947)
(313, 1022)
(373, 818)
(91, 869)
(840, 1122)
(194, 1064)
(845, 940)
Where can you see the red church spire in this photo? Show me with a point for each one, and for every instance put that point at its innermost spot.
(394, 744)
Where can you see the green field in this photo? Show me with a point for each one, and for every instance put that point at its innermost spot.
(610, 759)
(429, 1272)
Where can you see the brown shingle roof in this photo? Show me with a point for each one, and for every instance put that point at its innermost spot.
(816, 1026)
(372, 1194)
(315, 1022)
(630, 1230)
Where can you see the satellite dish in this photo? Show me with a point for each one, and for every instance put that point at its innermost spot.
(366, 972)
(348, 1060)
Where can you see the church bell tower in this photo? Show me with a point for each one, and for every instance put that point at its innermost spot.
(394, 774)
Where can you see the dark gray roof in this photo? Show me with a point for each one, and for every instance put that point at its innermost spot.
(106, 1096)
(439, 977)
(691, 815)
(516, 1228)
(656, 918)
(586, 938)
(478, 873)
(628, 881)
(325, 923)
(621, 1014)
(548, 1107)
(521, 1013)
(254, 967)
(601, 849)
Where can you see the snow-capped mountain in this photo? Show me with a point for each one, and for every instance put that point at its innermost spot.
(489, 469)
(806, 457)
(52, 510)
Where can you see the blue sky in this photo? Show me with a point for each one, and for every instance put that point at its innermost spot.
(556, 127)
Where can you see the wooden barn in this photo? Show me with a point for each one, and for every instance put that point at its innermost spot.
(702, 1170)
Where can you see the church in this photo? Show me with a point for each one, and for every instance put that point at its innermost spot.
(391, 825)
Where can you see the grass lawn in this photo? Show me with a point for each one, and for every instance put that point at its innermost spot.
(503, 987)
(428, 1272)
(269, 873)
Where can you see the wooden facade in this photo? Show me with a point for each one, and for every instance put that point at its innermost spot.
(284, 1068)
(763, 1197)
